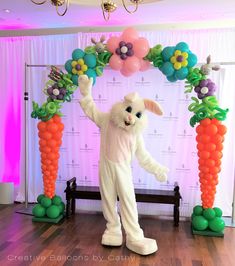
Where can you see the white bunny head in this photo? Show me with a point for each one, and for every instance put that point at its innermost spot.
(130, 113)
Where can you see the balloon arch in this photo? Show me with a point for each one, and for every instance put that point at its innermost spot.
(128, 54)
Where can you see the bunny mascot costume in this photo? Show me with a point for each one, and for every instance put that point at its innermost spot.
(121, 139)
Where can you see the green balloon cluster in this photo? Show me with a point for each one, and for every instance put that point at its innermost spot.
(204, 219)
(47, 207)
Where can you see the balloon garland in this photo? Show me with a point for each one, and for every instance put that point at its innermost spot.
(128, 54)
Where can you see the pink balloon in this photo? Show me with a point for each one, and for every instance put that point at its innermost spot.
(141, 47)
(144, 65)
(112, 44)
(131, 64)
(126, 73)
(129, 35)
(115, 62)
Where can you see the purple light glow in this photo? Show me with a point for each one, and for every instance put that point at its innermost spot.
(14, 26)
(11, 172)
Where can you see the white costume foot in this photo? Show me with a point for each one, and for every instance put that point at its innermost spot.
(144, 246)
(109, 239)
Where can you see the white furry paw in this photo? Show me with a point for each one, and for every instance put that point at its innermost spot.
(85, 84)
(161, 174)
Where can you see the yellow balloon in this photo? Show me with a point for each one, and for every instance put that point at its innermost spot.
(74, 71)
(184, 63)
(74, 63)
(81, 62)
(177, 52)
(173, 59)
(84, 68)
(185, 55)
(177, 65)
(80, 72)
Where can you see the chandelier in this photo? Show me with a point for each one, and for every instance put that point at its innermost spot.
(57, 4)
(107, 6)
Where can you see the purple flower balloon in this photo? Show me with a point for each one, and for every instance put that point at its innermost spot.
(205, 88)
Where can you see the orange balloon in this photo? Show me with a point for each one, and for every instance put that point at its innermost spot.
(41, 126)
(199, 129)
(200, 146)
(217, 138)
(215, 121)
(205, 138)
(52, 127)
(61, 127)
(214, 170)
(57, 136)
(211, 129)
(217, 162)
(51, 156)
(210, 147)
(42, 142)
(219, 146)
(222, 129)
(52, 143)
(201, 161)
(57, 118)
(59, 142)
(216, 155)
(205, 122)
(210, 163)
(43, 155)
(203, 154)
(46, 135)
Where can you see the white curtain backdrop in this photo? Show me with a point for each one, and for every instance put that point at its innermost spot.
(170, 139)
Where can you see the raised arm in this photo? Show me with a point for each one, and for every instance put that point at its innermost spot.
(87, 103)
(148, 163)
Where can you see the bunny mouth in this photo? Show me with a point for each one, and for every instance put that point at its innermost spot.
(127, 124)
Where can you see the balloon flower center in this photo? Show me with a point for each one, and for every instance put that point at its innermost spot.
(56, 92)
(78, 67)
(204, 90)
(180, 58)
(124, 50)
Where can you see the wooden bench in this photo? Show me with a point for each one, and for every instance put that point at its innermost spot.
(74, 192)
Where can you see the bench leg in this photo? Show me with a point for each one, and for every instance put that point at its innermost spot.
(73, 207)
(176, 215)
(68, 208)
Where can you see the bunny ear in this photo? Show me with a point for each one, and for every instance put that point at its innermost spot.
(153, 107)
(131, 97)
(208, 59)
(102, 38)
(93, 40)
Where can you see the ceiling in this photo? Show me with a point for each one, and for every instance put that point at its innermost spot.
(23, 14)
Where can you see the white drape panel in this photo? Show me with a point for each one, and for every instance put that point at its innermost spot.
(170, 139)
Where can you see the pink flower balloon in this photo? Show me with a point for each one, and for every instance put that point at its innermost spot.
(141, 47)
(112, 43)
(115, 62)
(144, 65)
(128, 52)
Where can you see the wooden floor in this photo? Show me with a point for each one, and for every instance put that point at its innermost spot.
(77, 242)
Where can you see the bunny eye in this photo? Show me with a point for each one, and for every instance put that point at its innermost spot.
(139, 114)
(129, 109)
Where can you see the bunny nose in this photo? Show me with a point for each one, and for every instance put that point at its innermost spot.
(130, 117)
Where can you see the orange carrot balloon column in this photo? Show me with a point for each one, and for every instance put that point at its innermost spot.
(210, 137)
(59, 88)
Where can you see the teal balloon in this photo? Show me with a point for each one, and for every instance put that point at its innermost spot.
(167, 69)
(217, 224)
(90, 60)
(168, 52)
(218, 212)
(39, 211)
(53, 211)
(171, 78)
(56, 200)
(181, 73)
(209, 214)
(78, 54)
(40, 197)
(68, 66)
(91, 73)
(197, 210)
(61, 207)
(192, 60)
(199, 223)
(75, 79)
(182, 46)
(46, 202)
(192, 216)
